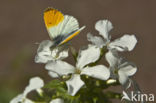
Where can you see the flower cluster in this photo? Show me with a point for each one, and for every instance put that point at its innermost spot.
(75, 79)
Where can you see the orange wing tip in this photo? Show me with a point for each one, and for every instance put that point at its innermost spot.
(52, 17)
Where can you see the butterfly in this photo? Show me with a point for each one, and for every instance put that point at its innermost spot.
(61, 28)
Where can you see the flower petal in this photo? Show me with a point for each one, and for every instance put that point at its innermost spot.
(99, 72)
(74, 84)
(45, 45)
(21, 98)
(58, 54)
(53, 74)
(60, 67)
(125, 43)
(58, 100)
(34, 84)
(62, 55)
(44, 52)
(112, 58)
(98, 41)
(17, 99)
(128, 69)
(89, 55)
(122, 77)
(104, 26)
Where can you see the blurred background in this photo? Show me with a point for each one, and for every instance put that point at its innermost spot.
(22, 25)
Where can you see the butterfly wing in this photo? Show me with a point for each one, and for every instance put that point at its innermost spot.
(52, 19)
(60, 26)
(71, 35)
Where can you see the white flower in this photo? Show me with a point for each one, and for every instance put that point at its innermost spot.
(35, 83)
(85, 57)
(125, 43)
(53, 74)
(21, 98)
(58, 100)
(120, 68)
(45, 54)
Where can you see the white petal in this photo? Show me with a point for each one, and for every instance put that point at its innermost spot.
(44, 52)
(89, 55)
(42, 58)
(125, 43)
(129, 70)
(58, 100)
(74, 84)
(53, 74)
(57, 54)
(126, 69)
(98, 41)
(122, 77)
(45, 45)
(99, 72)
(63, 54)
(21, 98)
(17, 99)
(104, 26)
(34, 84)
(125, 96)
(112, 58)
(60, 67)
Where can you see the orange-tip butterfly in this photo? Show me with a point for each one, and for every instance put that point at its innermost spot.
(61, 28)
